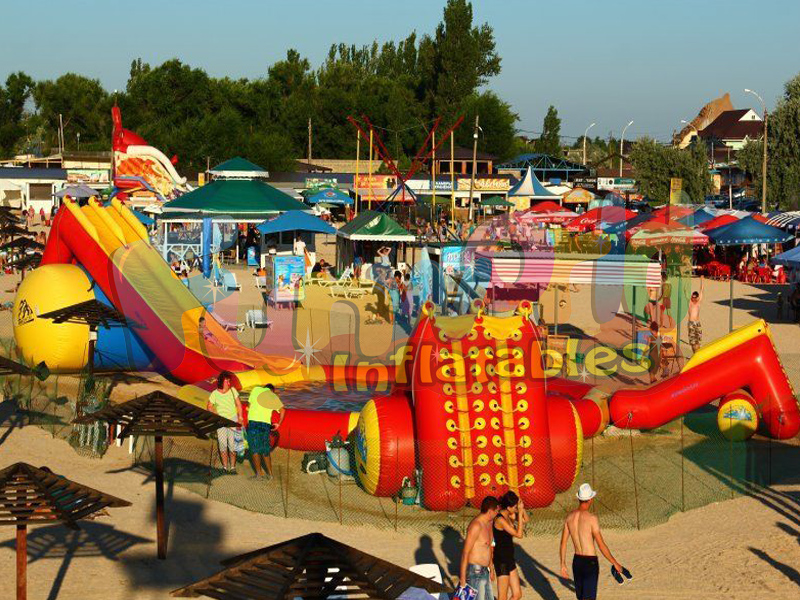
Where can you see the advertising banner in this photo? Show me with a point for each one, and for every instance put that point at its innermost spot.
(287, 278)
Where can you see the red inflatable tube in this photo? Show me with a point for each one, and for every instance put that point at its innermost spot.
(565, 441)
(753, 365)
(307, 430)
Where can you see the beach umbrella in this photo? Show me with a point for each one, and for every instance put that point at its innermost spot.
(29, 261)
(674, 211)
(790, 258)
(789, 221)
(94, 314)
(547, 206)
(698, 217)
(667, 237)
(746, 231)
(12, 230)
(310, 566)
(37, 496)
(608, 214)
(78, 191)
(22, 243)
(159, 415)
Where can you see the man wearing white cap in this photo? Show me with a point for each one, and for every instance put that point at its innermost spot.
(584, 529)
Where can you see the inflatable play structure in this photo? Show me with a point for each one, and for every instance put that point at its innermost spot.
(470, 411)
(140, 169)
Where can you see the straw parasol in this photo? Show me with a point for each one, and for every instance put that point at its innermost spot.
(94, 314)
(311, 566)
(22, 243)
(12, 230)
(32, 496)
(158, 414)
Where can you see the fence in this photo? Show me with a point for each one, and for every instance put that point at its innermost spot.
(642, 478)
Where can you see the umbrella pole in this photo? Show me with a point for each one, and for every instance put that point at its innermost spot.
(22, 562)
(162, 544)
(730, 319)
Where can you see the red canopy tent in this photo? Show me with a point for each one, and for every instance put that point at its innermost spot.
(546, 207)
(718, 221)
(674, 211)
(608, 214)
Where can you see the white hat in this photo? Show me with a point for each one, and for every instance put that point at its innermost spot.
(585, 492)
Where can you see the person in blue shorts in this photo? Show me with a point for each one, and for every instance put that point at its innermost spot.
(264, 405)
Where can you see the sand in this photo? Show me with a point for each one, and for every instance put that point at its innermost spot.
(746, 547)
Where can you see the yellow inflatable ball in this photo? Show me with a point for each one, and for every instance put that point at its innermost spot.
(63, 347)
(737, 419)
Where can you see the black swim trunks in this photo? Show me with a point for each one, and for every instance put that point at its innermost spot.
(504, 568)
(585, 571)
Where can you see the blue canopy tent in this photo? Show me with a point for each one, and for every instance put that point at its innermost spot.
(329, 196)
(143, 219)
(790, 258)
(746, 231)
(295, 220)
(700, 216)
(620, 227)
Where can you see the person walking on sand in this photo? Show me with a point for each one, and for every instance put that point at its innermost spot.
(583, 528)
(476, 569)
(695, 329)
(224, 401)
(264, 405)
(509, 524)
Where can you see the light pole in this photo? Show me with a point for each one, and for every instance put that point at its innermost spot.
(624, 129)
(764, 162)
(585, 133)
(474, 163)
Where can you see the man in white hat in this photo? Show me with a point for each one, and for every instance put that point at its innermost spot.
(584, 529)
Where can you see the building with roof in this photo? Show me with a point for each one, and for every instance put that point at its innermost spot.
(26, 187)
(461, 160)
(733, 128)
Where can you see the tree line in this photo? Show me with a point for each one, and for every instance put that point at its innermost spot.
(402, 86)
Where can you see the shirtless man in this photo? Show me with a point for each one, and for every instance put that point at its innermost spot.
(651, 308)
(476, 558)
(583, 528)
(695, 329)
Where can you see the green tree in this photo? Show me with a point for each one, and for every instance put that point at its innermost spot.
(84, 106)
(464, 56)
(13, 97)
(497, 121)
(783, 164)
(655, 164)
(549, 141)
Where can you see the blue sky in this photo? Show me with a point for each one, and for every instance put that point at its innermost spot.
(608, 62)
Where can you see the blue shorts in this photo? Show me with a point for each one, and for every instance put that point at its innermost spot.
(258, 437)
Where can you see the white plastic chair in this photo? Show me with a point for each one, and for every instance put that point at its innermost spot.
(229, 282)
(257, 319)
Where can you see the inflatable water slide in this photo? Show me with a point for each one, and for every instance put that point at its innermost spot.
(139, 167)
(470, 413)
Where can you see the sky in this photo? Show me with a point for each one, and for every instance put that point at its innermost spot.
(608, 62)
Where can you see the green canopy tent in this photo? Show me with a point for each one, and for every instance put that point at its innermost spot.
(495, 202)
(367, 229)
(238, 168)
(246, 197)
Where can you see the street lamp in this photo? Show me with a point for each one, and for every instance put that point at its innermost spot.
(474, 164)
(764, 161)
(585, 133)
(620, 146)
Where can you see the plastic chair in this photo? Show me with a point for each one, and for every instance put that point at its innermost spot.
(229, 282)
(257, 319)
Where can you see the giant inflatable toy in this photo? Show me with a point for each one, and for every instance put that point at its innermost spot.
(141, 168)
(470, 412)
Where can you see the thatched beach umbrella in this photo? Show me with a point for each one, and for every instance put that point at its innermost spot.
(94, 314)
(22, 243)
(158, 414)
(311, 566)
(35, 496)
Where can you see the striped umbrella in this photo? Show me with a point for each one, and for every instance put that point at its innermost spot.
(787, 220)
